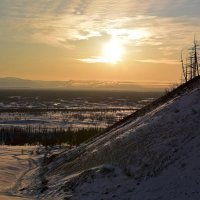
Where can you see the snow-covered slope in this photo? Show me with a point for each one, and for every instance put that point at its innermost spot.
(155, 155)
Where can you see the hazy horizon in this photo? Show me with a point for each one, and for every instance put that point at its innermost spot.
(19, 83)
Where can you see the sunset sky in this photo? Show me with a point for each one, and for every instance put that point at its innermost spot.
(114, 40)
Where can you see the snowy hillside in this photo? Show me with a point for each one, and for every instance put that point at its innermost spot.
(152, 155)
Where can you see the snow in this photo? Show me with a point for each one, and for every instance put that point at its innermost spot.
(17, 167)
(156, 156)
(65, 109)
(14, 164)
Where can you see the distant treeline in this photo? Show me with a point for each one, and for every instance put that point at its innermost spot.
(49, 109)
(42, 136)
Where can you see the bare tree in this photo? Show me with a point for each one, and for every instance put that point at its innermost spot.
(184, 67)
(191, 67)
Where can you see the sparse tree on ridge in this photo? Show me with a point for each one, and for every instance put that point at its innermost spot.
(191, 69)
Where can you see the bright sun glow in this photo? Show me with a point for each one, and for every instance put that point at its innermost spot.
(112, 52)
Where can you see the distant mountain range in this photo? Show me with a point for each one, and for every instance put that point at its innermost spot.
(13, 83)
(18, 83)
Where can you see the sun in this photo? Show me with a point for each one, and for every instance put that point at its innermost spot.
(112, 52)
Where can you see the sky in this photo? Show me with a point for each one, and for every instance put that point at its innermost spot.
(114, 40)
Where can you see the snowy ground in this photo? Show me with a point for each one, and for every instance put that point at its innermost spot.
(69, 109)
(15, 162)
(156, 156)
(64, 119)
(17, 168)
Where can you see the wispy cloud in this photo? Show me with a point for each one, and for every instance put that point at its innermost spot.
(98, 60)
(64, 21)
(94, 60)
(160, 61)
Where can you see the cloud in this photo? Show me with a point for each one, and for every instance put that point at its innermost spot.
(95, 60)
(160, 61)
(64, 21)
